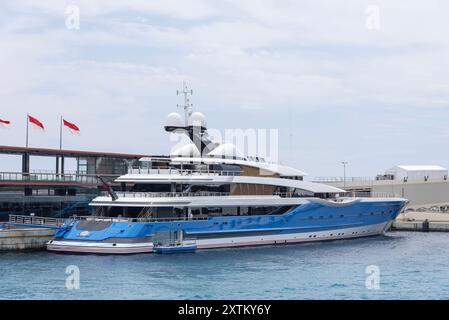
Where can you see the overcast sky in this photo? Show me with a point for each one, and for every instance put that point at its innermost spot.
(360, 81)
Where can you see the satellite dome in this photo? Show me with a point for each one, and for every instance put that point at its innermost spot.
(188, 150)
(197, 119)
(173, 121)
(226, 151)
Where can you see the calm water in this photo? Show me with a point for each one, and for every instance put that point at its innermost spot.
(412, 266)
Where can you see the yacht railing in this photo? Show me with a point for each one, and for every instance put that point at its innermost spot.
(122, 194)
(341, 179)
(171, 171)
(128, 219)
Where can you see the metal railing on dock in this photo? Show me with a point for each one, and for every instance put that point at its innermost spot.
(370, 194)
(33, 220)
(56, 222)
(52, 177)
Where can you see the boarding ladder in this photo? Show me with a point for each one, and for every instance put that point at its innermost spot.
(147, 212)
(99, 212)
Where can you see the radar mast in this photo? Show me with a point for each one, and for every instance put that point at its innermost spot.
(188, 107)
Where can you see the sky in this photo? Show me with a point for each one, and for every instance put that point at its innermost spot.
(365, 82)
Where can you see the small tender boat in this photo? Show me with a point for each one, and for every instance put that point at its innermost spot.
(175, 249)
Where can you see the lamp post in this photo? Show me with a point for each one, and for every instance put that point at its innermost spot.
(344, 163)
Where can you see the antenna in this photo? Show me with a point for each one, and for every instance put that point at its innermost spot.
(188, 107)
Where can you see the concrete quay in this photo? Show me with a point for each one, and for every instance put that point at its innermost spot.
(17, 238)
(421, 221)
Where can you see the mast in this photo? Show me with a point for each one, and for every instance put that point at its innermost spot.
(188, 107)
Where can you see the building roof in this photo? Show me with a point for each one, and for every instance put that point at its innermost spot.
(65, 152)
(420, 168)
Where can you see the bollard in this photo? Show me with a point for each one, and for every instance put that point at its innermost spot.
(425, 226)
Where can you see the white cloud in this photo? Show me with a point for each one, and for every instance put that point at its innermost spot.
(121, 69)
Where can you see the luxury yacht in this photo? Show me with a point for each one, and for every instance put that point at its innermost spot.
(207, 195)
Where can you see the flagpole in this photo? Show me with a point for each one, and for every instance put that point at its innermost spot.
(28, 120)
(60, 135)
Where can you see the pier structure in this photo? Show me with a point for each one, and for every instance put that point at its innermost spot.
(46, 192)
(421, 221)
(88, 162)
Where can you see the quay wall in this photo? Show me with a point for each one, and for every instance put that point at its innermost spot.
(25, 238)
(421, 221)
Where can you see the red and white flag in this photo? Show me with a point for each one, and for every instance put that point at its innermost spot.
(71, 126)
(4, 123)
(36, 122)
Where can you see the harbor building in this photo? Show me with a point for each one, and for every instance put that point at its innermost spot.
(58, 192)
(425, 186)
(413, 172)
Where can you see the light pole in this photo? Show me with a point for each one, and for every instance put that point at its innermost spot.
(344, 163)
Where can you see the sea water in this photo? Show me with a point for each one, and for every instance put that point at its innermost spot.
(399, 265)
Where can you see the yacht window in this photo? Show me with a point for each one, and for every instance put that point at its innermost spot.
(229, 211)
(215, 211)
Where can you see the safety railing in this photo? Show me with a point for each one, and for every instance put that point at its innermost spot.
(166, 194)
(128, 219)
(34, 220)
(122, 194)
(160, 171)
(369, 194)
(341, 179)
(376, 179)
(52, 177)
